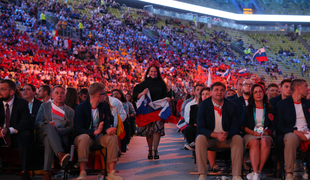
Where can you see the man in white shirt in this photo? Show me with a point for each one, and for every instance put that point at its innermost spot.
(218, 124)
(292, 123)
(197, 89)
(16, 128)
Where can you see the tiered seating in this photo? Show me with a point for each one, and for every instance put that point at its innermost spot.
(224, 5)
(306, 38)
(285, 6)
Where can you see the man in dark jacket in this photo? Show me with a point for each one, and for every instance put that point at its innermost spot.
(218, 124)
(285, 92)
(34, 104)
(15, 123)
(92, 127)
(293, 122)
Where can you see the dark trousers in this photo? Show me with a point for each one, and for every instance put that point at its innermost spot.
(132, 126)
(23, 141)
(126, 139)
(190, 133)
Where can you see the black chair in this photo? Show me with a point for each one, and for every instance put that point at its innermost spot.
(223, 154)
(92, 149)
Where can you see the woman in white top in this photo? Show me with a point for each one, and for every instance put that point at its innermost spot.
(258, 122)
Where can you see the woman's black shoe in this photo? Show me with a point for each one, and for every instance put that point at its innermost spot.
(150, 156)
(156, 156)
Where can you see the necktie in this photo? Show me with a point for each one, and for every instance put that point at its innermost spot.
(7, 121)
(29, 106)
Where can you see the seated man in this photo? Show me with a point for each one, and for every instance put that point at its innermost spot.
(218, 124)
(292, 122)
(16, 126)
(54, 122)
(92, 127)
(34, 104)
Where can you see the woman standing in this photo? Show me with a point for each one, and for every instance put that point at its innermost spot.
(258, 123)
(154, 83)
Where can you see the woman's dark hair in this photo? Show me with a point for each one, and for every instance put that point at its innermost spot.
(158, 73)
(72, 97)
(200, 93)
(252, 103)
(123, 99)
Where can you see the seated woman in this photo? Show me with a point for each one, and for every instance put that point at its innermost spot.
(258, 123)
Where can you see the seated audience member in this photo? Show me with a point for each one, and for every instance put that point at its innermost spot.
(45, 93)
(34, 104)
(15, 124)
(188, 131)
(285, 92)
(72, 99)
(258, 123)
(83, 94)
(230, 93)
(242, 101)
(218, 124)
(130, 112)
(92, 127)
(292, 123)
(272, 90)
(54, 123)
(239, 85)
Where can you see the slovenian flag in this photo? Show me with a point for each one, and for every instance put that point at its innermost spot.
(260, 55)
(172, 69)
(243, 72)
(149, 111)
(226, 73)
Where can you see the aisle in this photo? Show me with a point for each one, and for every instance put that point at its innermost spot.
(174, 161)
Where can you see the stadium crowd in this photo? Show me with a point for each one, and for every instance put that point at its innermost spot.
(63, 73)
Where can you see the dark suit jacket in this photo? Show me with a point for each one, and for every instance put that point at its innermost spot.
(248, 121)
(20, 116)
(286, 118)
(206, 118)
(274, 101)
(35, 109)
(240, 102)
(235, 96)
(83, 118)
(193, 115)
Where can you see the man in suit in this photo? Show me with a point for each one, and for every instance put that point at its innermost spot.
(45, 93)
(242, 101)
(218, 124)
(15, 123)
(293, 116)
(239, 89)
(34, 104)
(285, 92)
(272, 90)
(92, 127)
(54, 123)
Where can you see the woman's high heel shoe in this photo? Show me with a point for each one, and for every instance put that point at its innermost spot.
(156, 156)
(150, 156)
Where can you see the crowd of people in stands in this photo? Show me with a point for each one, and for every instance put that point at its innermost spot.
(64, 74)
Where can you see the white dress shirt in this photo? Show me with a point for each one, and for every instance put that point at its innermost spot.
(188, 109)
(12, 130)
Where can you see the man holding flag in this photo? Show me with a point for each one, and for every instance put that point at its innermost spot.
(260, 55)
(54, 122)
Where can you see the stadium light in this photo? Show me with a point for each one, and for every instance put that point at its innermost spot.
(229, 15)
